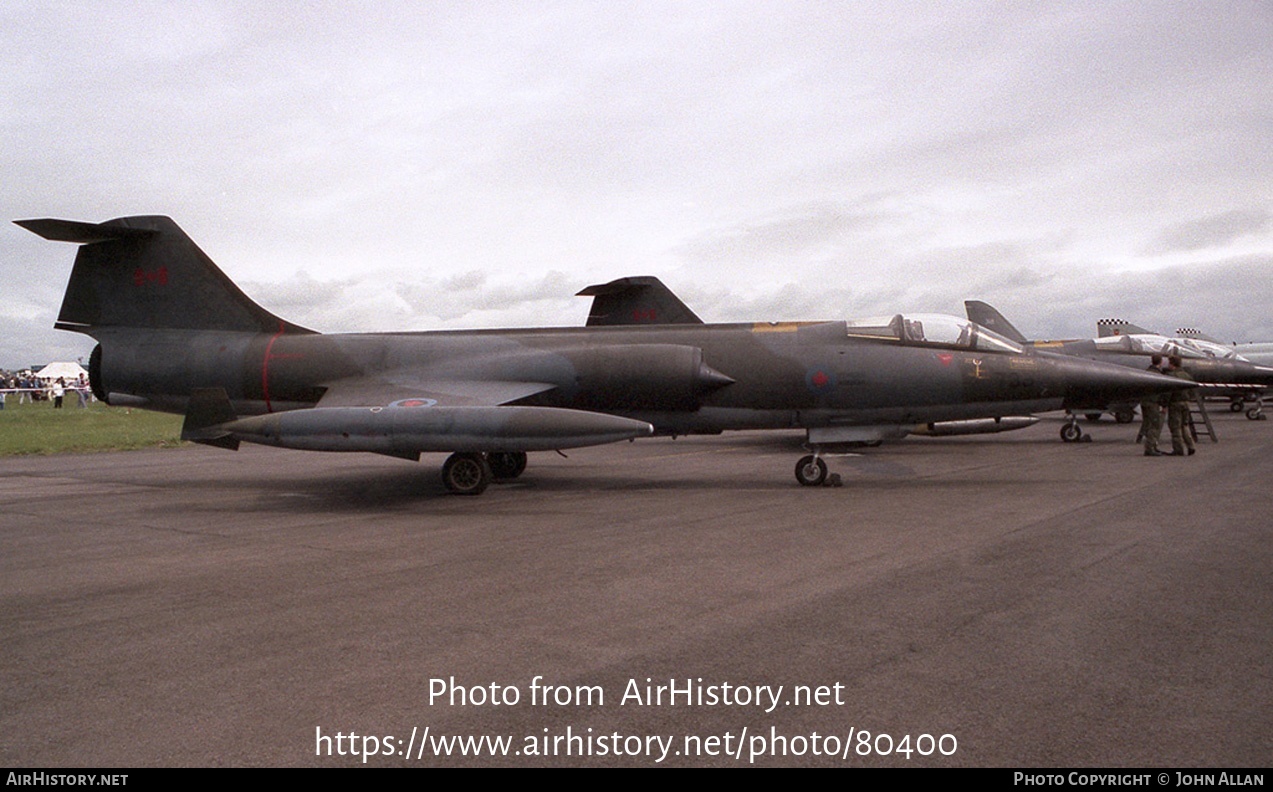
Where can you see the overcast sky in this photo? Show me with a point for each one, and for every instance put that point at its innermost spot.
(417, 165)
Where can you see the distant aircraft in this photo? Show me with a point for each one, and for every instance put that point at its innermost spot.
(1258, 352)
(1126, 344)
(175, 334)
(1190, 344)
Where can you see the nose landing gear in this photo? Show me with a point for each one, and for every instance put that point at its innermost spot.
(811, 471)
(1071, 432)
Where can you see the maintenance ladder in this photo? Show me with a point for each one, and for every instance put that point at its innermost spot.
(1198, 408)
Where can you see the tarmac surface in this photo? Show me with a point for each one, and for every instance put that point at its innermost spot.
(1042, 604)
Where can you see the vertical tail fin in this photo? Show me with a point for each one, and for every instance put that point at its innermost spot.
(145, 272)
(639, 300)
(1112, 327)
(1193, 332)
(985, 315)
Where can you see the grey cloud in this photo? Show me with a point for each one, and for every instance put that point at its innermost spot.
(1214, 230)
(794, 232)
(397, 165)
(465, 281)
(431, 299)
(302, 292)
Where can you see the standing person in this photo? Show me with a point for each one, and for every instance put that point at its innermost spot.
(59, 390)
(1178, 410)
(1151, 413)
(81, 391)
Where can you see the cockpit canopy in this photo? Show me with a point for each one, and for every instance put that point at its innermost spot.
(1150, 343)
(1209, 348)
(937, 330)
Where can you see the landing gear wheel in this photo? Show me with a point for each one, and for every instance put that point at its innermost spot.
(811, 471)
(1125, 416)
(466, 474)
(1255, 414)
(1071, 432)
(1235, 405)
(507, 464)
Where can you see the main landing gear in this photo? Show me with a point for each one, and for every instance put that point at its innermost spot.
(469, 473)
(1253, 403)
(1071, 432)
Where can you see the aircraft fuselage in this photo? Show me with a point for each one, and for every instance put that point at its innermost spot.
(682, 379)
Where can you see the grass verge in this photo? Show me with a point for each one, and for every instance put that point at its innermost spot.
(39, 429)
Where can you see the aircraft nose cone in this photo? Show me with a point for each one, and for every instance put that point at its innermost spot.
(1090, 383)
(1248, 374)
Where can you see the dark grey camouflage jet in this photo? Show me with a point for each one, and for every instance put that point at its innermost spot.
(175, 334)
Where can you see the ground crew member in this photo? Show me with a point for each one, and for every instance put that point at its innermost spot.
(1151, 414)
(1178, 410)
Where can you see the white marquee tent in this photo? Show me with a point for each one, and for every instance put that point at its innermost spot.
(67, 371)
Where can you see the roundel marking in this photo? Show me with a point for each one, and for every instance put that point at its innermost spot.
(414, 403)
(819, 380)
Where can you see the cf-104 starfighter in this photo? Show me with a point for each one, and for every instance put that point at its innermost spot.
(175, 334)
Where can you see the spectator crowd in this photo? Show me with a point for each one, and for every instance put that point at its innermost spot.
(28, 387)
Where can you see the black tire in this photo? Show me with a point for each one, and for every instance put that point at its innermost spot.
(507, 464)
(1235, 405)
(1254, 414)
(811, 471)
(466, 474)
(1125, 416)
(1071, 432)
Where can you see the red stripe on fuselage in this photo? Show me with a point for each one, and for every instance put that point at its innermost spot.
(265, 368)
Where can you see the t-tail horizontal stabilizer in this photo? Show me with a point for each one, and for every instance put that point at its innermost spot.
(82, 233)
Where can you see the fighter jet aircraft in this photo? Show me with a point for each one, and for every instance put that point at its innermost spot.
(1258, 352)
(1192, 346)
(175, 334)
(1218, 369)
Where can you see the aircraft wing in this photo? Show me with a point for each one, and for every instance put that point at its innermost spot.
(392, 388)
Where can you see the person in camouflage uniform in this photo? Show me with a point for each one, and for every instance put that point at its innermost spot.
(1178, 410)
(1151, 413)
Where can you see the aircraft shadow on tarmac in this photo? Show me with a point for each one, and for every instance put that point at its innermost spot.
(705, 469)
